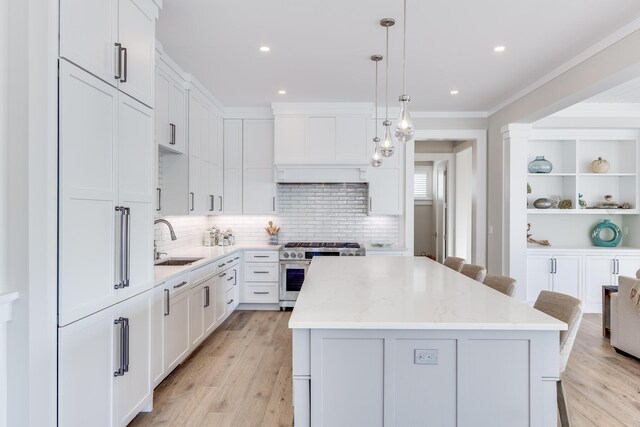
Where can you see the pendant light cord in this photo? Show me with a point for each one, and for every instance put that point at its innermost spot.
(376, 101)
(404, 52)
(386, 85)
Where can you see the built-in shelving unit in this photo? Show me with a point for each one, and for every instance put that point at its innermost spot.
(571, 153)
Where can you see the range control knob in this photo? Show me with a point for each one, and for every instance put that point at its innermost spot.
(285, 255)
(300, 255)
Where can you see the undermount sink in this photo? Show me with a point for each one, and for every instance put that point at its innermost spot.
(172, 262)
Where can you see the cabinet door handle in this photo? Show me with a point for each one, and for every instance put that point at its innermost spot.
(206, 296)
(230, 278)
(118, 62)
(261, 293)
(230, 301)
(221, 201)
(236, 258)
(126, 345)
(180, 285)
(119, 259)
(261, 256)
(261, 272)
(274, 203)
(370, 204)
(222, 265)
(127, 215)
(617, 266)
(167, 302)
(555, 266)
(192, 195)
(210, 203)
(235, 277)
(613, 266)
(120, 372)
(124, 79)
(172, 136)
(159, 208)
(222, 275)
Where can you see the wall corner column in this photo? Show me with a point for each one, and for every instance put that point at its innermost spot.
(515, 137)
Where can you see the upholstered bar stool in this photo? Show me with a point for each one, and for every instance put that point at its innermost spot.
(504, 284)
(638, 274)
(476, 272)
(567, 309)
(454, 263)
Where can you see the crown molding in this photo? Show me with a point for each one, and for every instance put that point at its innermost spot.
(248, 113)
(600, 109)
(578, 59)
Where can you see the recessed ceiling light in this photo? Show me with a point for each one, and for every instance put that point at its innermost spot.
(265, 49)
(454, 92)
(282, 92)
(499, 49)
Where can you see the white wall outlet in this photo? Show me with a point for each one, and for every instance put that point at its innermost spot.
(425, 357)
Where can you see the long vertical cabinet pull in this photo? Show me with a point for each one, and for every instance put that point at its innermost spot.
(121, 322)
(211, 200)
(172, 133)
(159, 190)
(167, 302)
(126, 345)
(124, 78)
(192, 196)
(235, 277)
(118, 75)
(120, 267)
(220, 209)
(274, 203)
(127, 246)
(613, 266)
(206, 296)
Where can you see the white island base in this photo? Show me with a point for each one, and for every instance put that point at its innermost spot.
(406, 342)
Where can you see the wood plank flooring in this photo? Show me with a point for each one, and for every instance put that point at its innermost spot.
(241, 376)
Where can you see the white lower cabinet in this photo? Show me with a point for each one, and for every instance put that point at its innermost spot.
(580, 273)
(176, 328)
(104, 372)
(187, 309)
(261, 277)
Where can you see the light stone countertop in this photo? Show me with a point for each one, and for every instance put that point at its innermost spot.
(405, 293)
(207, 253)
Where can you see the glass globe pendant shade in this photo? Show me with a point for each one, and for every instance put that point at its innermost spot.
(387, 148)
(404, 125)
(376, 157)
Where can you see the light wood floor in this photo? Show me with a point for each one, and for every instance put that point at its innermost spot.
(241, 376)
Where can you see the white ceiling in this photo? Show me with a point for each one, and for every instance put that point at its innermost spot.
(320, 49)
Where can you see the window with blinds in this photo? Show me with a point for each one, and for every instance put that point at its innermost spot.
(422, 183)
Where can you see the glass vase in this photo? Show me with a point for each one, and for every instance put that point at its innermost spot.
(540, 165)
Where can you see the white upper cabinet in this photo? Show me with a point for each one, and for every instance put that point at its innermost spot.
(105, 166)
(170, 110)
(114, 40)
(233, 166)
(319, 134)
(136, 34)
(258, 187)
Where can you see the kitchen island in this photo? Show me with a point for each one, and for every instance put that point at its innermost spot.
(404, 341)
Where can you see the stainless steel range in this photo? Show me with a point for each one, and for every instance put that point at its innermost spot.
(295, 258)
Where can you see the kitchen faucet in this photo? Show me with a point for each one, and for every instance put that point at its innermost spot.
(156, 254)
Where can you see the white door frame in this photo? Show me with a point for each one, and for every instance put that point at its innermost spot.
(479, 206)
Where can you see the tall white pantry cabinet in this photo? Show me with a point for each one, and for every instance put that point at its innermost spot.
(105, 243)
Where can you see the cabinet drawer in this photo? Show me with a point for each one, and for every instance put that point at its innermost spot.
(230, 280)
(178, 285)
(229, 301)
(261, 272)
(261, 256)
(263, 293)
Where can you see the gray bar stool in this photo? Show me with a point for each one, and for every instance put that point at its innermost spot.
(504, 284)
(476, 272)
(454, 263)
(567, 309)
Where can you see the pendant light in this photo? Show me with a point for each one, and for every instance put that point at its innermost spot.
(404, 125)
(387, 148)
(376, 157)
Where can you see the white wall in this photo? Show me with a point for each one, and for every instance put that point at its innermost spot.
(609, 67)
(464, 203)
(4, 138)
(32, 222)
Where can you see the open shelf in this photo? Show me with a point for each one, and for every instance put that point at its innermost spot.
(582, 211)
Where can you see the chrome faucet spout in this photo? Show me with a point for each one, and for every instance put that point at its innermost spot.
(164, 221)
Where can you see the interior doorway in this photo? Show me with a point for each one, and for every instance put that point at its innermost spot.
(443, 199)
